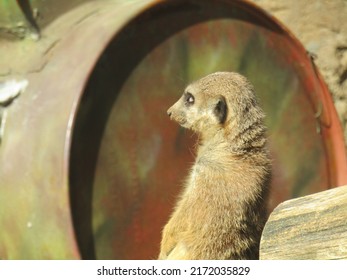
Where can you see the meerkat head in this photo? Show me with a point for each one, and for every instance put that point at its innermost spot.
(219, 101)
(200, 108)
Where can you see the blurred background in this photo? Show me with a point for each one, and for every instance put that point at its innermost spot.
(90, 164)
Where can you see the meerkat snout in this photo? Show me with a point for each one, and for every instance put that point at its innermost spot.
(222, 209)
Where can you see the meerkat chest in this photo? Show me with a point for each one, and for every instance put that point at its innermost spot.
(193, 178)
(204, 172)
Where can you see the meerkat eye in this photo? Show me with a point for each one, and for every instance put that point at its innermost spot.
(189, 98)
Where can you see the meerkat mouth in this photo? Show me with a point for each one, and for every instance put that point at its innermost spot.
(181, 121)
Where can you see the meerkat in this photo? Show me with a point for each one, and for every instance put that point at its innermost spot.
(221, 211)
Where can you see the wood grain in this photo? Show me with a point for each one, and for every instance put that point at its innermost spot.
(310, 227)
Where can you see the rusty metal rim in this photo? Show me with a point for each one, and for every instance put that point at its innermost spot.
(77, 102)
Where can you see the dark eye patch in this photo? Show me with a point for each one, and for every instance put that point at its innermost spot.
(189, 98)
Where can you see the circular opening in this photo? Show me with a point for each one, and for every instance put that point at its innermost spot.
(128, 160)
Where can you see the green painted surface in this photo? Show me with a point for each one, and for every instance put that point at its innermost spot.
(10, 12)
(26, 18)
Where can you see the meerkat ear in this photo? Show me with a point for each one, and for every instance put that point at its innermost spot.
(221, 110)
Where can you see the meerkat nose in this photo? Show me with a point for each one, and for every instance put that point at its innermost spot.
(169, 113)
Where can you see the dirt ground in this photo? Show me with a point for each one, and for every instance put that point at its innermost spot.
(321, 25)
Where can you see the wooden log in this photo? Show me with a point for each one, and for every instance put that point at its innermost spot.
(310, 227)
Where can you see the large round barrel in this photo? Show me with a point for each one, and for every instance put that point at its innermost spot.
(91, 165)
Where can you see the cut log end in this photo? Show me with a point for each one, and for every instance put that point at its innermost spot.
(310, 227)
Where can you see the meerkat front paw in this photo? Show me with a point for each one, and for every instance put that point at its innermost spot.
(179, 252)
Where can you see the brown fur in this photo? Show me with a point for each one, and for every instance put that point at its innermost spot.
(222, 209)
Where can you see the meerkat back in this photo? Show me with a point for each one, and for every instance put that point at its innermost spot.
(221, 211)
